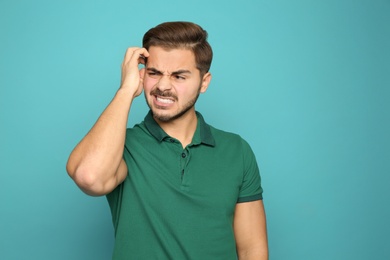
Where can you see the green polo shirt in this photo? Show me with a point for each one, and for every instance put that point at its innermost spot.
(179, 203)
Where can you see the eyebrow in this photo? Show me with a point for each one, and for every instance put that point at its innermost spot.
(178, 72)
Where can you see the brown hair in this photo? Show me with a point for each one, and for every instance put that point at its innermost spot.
(182, 35)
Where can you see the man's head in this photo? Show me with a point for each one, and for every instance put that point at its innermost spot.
(182, 35)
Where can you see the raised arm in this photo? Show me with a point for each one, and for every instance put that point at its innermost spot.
(96, 163)
(250, 231)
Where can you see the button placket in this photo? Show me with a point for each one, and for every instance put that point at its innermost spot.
(184, 162)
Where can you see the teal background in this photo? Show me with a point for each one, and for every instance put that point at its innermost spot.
(305, 82)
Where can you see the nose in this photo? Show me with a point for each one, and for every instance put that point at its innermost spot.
(164, 83)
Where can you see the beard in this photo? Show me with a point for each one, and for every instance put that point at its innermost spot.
(174, 115)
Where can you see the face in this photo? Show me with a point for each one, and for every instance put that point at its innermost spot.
(172, 83)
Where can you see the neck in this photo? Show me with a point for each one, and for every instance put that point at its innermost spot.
(182, 128)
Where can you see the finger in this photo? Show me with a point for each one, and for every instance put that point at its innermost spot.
(129, 54)
(142, 59)
(139, 56)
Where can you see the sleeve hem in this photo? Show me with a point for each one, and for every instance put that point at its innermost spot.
(250, 198)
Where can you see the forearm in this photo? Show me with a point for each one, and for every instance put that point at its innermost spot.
(95, 160)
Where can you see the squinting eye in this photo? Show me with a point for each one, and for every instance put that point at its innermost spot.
(180, 78)
(152, 74)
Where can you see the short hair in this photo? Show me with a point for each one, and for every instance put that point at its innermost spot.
(182, 35)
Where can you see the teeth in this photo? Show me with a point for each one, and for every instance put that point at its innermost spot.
(164, 100)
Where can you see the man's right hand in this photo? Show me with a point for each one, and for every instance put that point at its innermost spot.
(132, 76)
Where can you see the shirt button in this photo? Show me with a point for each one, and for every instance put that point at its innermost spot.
(183, 155)
(172, 140)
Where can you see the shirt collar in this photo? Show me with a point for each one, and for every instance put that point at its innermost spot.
(202, 134)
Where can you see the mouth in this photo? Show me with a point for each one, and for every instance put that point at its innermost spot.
(161, 102)
(164, 100)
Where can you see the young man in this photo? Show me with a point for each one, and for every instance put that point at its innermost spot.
(177, 187)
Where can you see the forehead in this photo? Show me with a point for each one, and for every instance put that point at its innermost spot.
(171, 59)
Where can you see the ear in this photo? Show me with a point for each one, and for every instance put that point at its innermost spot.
(142, 73)
(205, 82)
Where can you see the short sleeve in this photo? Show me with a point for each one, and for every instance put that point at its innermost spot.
(251, 184)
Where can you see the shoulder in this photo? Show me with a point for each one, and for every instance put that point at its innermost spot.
(137, 129)
(229, 142)
(222, 136)
(137, 134)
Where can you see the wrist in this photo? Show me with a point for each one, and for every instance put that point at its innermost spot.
(125, 96)
(125, 93)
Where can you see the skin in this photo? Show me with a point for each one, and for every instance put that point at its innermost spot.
(250, 231)
(171, 84)
(164, 86)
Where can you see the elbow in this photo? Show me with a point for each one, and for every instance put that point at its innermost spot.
(254, 253)
(86, 179)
